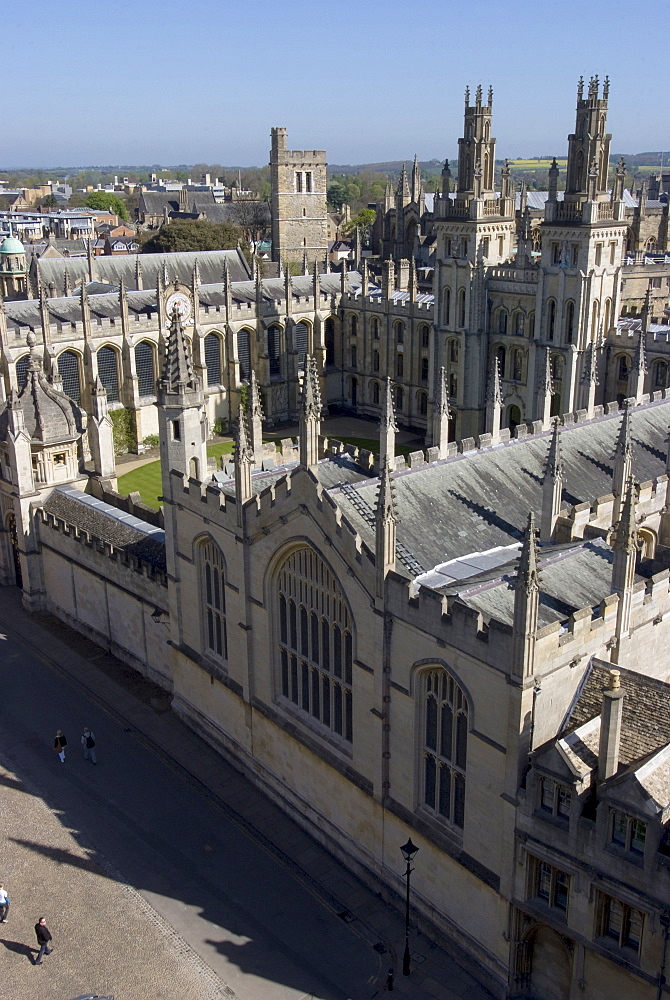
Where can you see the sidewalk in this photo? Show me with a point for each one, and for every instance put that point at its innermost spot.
(145, 707)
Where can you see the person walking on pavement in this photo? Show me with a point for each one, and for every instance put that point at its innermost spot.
(59, 745)
(43, 935)
(88, 744)
(4, 904)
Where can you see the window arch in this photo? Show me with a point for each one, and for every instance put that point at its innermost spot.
(315, 638)
(398, 398)
(623, 367)
(244, 354)
(353, 325)
(213, 345)
(531, 324)
(445, 745)
(144, 366)
(551, 319)
(213, 599)
(329, 332)
(608, 315)
(502, 321)
(108, 371)
(301, 343)
(569, 321)
(424, 336)
(423, 404)
(461, 307)
(68, 369)
(374, 327)
(22, 370)
(517, 323)
(453, 351)
(375, 393)
(660, 374)
(399, 329)
(595, 316)
(274, 348)
(557, 365)
(517, 365)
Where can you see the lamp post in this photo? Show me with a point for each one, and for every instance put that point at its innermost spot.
(409, 853)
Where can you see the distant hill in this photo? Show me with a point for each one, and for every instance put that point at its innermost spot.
(387, 167)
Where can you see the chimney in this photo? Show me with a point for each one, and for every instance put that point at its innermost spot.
(610, 727)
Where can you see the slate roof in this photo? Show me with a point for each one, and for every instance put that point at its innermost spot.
(123, 531)
(480, 500)
(645, 724)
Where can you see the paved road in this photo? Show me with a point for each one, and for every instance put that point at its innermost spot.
(254, 924)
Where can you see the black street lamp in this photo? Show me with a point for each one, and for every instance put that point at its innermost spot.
(409, 853)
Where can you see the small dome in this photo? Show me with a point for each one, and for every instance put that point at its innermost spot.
(10, 244)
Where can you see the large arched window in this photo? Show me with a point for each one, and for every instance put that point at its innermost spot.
(244, 354)
(374, 328)
(446, 307)
(301, 343)
(398, 398)
(68, 369)
(551, 319)
(423, 404)
(144, 366)
(213, 599)
(274, 349)
(375, 393)
(213, 358)
(660, 374)
(315, 642)
(461, 307)
(502, 321)
(445, 746)
(22, 370)
(399, 329)
(569, 321)
(329, 332)
(108, 370)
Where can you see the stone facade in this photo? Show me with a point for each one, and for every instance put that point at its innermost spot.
(299, 209)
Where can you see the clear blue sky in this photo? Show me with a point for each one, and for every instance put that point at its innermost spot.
(156, 81)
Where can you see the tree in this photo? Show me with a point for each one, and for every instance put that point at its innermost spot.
(106, 201)
(182, 234)
(49, 201)
(364, 221)
(253, 217)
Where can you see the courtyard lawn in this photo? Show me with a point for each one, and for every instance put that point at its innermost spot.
(147, 479)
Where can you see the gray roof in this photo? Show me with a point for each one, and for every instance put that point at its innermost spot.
(480, 500)
(122, 530)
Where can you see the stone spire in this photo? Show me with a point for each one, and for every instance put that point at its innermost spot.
(441, 415)
(623, 459)
(101, 433)
(310, 416)
(638, 368)
(385, 528)
(255, 414)
(494, 402)
(417, 185)
(552, 485)
(387, 428)
(545, 392)
(590, 378)
(625, 549)
(139, 277)
(178, 374)
(243, 463)
(526, 604)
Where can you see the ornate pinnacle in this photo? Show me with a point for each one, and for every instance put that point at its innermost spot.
(311, 392)
(490, 97)
(527, 574)
(546, 382)
(478, 95)
(388, 413)
(467, 97)
(493, 391)
(580, 89)
(624, 445)
(442, 397)
(625, 533)
(243, 452)
(590, 373)
(640, 357)
(385, 498)
(254, 398)
(554, 467)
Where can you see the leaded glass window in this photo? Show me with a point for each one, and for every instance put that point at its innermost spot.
(213, 358)
(144, 366)
(315, 642)
(22, 370)
(68, 369)
(108, 371)
(213, 600)
(445, 742)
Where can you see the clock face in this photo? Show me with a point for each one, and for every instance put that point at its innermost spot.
(183, 304)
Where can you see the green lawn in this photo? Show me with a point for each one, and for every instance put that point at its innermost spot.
(147, 479)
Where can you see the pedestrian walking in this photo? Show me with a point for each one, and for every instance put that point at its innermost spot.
(59, 745)
(43, 935)
(4, 904)
(88, 744)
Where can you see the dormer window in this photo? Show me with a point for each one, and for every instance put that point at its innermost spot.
(628, 833)
(555, 798)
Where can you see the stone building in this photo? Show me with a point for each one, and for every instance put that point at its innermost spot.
(299, 209)
(13, 268)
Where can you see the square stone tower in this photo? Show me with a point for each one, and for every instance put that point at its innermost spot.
(299, 212)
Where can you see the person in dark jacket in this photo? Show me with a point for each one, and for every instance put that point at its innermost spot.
(43, 935)
(59, 745)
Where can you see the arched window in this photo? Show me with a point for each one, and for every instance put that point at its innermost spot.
(144, 366)
(400, 366)
(353, 325)
(461, 307)
(517, 324)
(353, 391)
(109, 372)
(301, 343)
(453, 351)
(22, 370)
(446, 307)
(68, 369)
(315, 642)
(660, 374)
(551, 319)
(623, 368)
(502, 321)
(517, 365)
(213, 343)
(531, 324)
(398, 398)
(423, 404)
(445, 746)
(569, 321)
(274, 348)
(244, 354)
(400, 333)
(374, 327)
(329, 332)
(513, 417)
(213, 599)
(608, 316)
(557, 364)
(424, 334)
(424, 369)
(375, 393)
